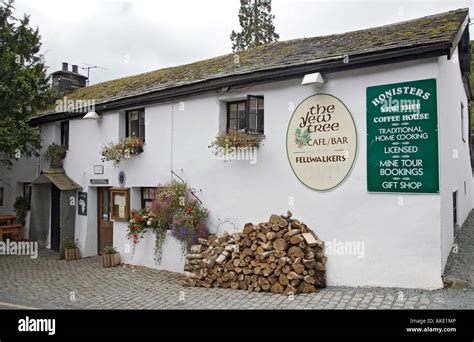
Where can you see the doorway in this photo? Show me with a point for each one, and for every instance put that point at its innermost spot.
(55, 217)
(105, 225)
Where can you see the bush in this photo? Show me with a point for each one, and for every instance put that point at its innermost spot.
(110, 250)
(21, 207)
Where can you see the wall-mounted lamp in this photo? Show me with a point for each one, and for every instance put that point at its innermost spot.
(315, 78)
(92, 115)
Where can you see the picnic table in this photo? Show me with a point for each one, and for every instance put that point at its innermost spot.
(8, 226)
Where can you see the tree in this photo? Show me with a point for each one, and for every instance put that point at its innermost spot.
(256, 21)
(24, 86)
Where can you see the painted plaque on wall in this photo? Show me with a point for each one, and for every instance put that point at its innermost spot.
(402, 137)
(321, 142)
(82, 201)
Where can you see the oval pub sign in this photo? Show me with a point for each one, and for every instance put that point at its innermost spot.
(321, 142)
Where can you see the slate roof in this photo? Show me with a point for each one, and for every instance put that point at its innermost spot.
(438, 28)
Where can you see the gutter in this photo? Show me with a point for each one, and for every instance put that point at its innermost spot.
(358, 61)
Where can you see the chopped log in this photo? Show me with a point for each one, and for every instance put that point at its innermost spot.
(247, 270)
(295, 252)
(280, 254)
(248, 228)
(267, 271)
(286, 269)
(203, 242)
(290, 290)
(297, 267)
(293, 275)
(276, 288)
(309, 279)
(309, 263)
(306, 288)
(309, 239)
(295, 282)
(296, 239)
(196, 249)
(283, 223)
(279, 244)
(274, 219)
(267, 254)
(194, 256)
(262, 237)
(271, 236)
(260, 250)
(283, 280)
(283, 261)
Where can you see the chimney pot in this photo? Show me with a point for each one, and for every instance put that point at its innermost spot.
(65, 66)
(75, 69)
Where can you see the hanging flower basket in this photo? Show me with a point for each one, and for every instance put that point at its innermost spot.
(124, 149)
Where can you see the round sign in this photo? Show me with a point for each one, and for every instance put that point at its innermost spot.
(321, 142)
(121, 178)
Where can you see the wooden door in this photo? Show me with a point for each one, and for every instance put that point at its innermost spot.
(55, 218)
(105, 225)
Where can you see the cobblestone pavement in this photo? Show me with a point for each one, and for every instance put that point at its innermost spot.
(46, 282)
(49, 283)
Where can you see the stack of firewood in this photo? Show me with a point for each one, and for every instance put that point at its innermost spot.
(282, 256)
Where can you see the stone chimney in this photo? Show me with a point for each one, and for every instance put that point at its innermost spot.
(67, 81)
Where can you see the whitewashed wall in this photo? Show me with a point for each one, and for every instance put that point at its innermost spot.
(402, 244)
(455, 172)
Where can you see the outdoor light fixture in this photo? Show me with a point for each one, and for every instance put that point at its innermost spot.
(315, 78)
(92, 115)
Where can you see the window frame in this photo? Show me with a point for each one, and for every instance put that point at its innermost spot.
(463, 135)
(144, 200)
(246, 102)
(64, 134)
(2, 194)
(141, 134)
(124, 193)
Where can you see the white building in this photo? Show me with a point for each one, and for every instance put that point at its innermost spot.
(395, 187)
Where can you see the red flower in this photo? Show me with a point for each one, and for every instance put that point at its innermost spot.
(189, 209)
(135, 235)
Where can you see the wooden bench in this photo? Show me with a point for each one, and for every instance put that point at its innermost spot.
(14, 229)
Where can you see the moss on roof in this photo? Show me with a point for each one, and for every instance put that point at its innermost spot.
(427, 30)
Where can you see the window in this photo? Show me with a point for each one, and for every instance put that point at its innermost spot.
(1, 196)
(246, 116)
(148, 196)
(65, 133)
(135, 125)
(462, 123)
(455, 212)
(120, 204)
(27, 193)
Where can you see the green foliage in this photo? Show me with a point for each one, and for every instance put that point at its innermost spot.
(122, 150)
(21, 207)
(24, 87)
(108, 250)
(69, 243)
(256, 21)
(302, 138)
(189, 224)
(225, 141)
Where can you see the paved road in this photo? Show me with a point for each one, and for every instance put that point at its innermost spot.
(46, 283)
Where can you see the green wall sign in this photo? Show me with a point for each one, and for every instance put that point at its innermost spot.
(402, 137)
